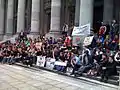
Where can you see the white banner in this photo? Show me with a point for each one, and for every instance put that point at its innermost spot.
(88, 40)
(60, 63)
(40, 61)
(82, 30)
(50, 63)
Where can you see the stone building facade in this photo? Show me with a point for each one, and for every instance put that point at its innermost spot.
(49, 16)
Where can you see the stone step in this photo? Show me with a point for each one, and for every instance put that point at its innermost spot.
(115, 77)
(112, 80)
(118, 68)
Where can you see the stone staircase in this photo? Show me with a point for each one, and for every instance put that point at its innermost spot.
(112, 80)
(12, 39)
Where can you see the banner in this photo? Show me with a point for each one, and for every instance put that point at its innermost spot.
(88, 40)
(82, 30)
(40, 61)
(60, 63)
(50, 63)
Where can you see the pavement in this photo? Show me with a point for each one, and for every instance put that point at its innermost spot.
(20, 78)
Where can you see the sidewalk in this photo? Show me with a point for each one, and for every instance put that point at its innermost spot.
(92, 80)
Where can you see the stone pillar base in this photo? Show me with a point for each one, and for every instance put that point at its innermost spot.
(7, 37)
(1, 37)
(33, 35)
(55, 35)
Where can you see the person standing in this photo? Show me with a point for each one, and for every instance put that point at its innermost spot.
(102, 30)
(65, 29)
(113, 29)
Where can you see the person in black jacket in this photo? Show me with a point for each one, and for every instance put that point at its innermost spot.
(108, 68)
(29, 60)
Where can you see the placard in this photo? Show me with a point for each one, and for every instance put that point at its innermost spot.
(88, 40)
(60, 63)
(50, 63)
(77, 40)
(40, 61)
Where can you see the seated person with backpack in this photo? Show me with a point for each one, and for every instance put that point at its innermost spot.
(86, 64)
(76, 63)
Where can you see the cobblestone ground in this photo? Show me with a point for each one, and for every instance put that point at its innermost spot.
(19, 78)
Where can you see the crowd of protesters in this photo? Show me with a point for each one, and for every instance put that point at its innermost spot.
(99, 58)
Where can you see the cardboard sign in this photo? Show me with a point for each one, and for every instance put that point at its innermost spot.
(78, 40)
(60, 63)
(50, 63)
(40, 61)
(88, 40)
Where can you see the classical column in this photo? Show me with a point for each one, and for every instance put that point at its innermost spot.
(62, 19)
(116, 9)
(1, 19)
(45, 23)
(108, 11)
(42, 16)
(9, 28)
(77, 12)
(86, 12)
(21, 15)
(55, 18)
(35, 18)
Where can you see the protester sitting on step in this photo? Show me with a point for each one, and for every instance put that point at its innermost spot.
(108, 68)
(76, 63)
(86, 64)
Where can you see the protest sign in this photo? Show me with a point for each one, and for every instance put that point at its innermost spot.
(88, 40)
(82, 30)
(50, 63)
(60, 63)
(40, 61)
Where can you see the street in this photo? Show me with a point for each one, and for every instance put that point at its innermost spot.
(19, 78)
